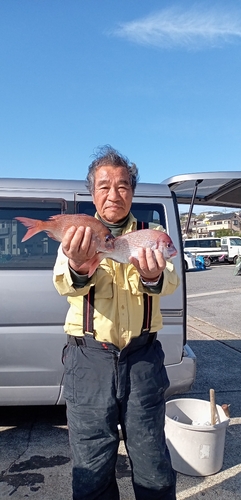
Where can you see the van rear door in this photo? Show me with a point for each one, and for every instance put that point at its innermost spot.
(220, 189)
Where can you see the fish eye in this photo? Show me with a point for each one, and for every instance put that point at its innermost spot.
(109, 237)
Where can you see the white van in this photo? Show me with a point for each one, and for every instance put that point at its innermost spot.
(32, 313)
(231, 248)
(227, 248)
(202, 246)
(208, 248)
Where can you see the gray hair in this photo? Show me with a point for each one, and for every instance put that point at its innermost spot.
(106, 155)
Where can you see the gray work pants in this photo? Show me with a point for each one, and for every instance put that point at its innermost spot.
(103, 387)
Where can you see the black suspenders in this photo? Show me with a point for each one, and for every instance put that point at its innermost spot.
(88, 310)
(88, 302)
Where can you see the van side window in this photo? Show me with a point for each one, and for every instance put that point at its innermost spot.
(190, 243)
(203, 243)
(37, 252)
(145, 212)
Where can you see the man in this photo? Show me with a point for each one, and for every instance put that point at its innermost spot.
(114, 370)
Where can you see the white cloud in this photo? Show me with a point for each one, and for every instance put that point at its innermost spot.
(193, 29)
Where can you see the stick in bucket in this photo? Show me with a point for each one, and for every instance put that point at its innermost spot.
(214, 413)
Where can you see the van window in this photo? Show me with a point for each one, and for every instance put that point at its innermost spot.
(144, 212)
(37, 252)
(190, 243)
(235, 241)
(203, 243)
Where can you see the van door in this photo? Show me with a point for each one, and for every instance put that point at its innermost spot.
(232, 245)
(32, 313)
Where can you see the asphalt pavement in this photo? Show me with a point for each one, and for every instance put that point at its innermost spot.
(214, 296)
(35, 456)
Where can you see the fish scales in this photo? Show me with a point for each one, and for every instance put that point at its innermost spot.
(127, 246)
(57, 225)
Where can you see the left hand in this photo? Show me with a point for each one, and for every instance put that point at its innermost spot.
(150, 263)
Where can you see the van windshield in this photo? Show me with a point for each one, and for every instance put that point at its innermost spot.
(235, 241)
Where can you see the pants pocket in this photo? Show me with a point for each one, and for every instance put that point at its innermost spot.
(161, 372)
(68, 362)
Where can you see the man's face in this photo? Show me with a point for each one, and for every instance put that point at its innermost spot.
(112, 193)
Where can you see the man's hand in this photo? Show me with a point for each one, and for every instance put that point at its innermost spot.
(79, 246)
(150, 264)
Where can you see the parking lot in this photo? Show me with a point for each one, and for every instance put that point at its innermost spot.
(35, 456)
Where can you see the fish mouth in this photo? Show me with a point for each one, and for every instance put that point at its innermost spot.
(171, 254)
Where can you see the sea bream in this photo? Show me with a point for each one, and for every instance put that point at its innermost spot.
(119, 249)
(57, 225)
(127, 246)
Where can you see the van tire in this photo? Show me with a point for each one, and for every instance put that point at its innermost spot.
(235, 260)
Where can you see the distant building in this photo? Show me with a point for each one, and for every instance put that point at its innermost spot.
(230, 221)
(206, 224)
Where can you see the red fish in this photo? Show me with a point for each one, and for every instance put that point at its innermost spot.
(127, 245)
(57, 225)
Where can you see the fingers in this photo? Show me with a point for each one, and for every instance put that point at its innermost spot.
(78, 244)
(150, 263)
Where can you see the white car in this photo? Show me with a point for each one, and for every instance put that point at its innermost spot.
(190, 261)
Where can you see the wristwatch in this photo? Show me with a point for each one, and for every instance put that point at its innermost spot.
(150, 283)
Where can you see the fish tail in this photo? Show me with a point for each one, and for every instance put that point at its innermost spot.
(34, 226)
(94, 263)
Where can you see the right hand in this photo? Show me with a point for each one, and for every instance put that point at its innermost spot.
(79, 246)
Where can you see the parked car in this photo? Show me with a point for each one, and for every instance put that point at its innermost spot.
(33, 314)
(190, 261)
(209, 189)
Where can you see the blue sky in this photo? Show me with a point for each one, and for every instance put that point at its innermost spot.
(158, 80)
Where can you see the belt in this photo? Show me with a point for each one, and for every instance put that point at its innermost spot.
(89, 341)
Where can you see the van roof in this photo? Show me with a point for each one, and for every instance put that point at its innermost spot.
(45, 187)
(207, 188)
(208, 238)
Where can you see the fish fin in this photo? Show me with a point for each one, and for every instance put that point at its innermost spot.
(33, 225)
(51, 235)
(94, 263)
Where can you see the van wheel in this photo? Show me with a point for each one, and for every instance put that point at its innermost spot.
(235, 259)
(207, 262)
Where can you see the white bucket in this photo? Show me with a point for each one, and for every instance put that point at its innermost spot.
(196, 449)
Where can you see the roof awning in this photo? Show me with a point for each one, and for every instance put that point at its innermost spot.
(222, 189)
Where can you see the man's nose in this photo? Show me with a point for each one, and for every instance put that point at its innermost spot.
(113, 193)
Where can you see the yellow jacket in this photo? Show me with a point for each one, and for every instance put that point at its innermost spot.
(118, 303)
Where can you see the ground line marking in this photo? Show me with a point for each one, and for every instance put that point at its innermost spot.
(217, 292)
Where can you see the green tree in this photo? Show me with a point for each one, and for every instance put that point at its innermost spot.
(226, 232)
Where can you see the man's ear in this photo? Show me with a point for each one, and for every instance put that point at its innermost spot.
(93, 199)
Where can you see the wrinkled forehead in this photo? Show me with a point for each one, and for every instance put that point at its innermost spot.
(112, 174)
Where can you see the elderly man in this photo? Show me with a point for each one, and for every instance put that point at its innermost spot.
(114, 365)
